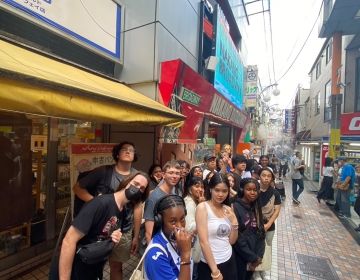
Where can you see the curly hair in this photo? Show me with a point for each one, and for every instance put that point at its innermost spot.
(116, 150)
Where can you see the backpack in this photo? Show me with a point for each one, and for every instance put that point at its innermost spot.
(104, 186)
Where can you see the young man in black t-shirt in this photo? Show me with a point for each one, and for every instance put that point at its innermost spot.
(101, 218)
(106, 179)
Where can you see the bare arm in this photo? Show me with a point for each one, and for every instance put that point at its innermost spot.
(149, 227)
(82, 193)
(137, 223)
(234, 225)
(273, 217)
(67, 253)
(202, 228)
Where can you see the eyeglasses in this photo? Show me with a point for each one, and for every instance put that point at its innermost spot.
(172, 173)
(130, 150)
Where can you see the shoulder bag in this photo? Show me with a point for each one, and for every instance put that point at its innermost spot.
(95, 252)
(139, 273)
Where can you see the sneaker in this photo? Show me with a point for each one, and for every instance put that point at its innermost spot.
(342, 216)
(295, 201)
(256, 276)
(265, 275)
(357, 229)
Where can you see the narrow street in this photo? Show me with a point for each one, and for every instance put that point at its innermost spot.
(311, 229)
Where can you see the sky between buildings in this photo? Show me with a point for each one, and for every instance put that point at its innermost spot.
(292, 21)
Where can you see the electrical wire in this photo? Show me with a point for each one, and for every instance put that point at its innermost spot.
(265, 37)
(271, 43)
(303, 45)
(95, 21)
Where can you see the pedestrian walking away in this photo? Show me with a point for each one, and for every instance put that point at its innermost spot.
(297, 177)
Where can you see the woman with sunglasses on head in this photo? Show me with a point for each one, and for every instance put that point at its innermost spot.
(217, 230)
(250, 246)
(169, 253)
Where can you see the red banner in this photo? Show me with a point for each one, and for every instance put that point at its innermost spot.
(187, 92)
(350, 124)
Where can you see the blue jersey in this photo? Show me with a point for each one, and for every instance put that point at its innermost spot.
(162, 264)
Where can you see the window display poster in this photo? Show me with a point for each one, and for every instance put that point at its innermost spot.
(87, 156)
(16, 177)
(324, 154)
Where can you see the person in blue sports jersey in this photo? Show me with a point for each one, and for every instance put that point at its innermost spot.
(169, 253)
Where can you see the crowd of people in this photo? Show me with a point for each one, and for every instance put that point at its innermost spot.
(210, 221)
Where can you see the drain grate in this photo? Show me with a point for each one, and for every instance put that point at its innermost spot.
(317, 267)
(325, 213)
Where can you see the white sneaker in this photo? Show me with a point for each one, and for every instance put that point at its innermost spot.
(256, 276)
(265, 275)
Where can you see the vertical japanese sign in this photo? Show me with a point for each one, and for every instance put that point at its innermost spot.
(251, 88)
(289, 121)
(85, 157)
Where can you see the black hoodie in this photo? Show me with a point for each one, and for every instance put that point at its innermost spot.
(250, 244)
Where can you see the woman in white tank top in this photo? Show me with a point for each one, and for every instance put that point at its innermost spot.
(217, 230)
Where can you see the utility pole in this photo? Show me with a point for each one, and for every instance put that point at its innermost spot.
(336, 97)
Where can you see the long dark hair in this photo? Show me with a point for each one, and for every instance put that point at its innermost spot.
(191, 182)
(167, 202)
(255, 204)
(124, 183)
(216, 179)
(328, 161)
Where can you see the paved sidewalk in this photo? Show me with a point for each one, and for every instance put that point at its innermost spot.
(312, 229)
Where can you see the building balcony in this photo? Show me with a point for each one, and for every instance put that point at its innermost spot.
(340, 16)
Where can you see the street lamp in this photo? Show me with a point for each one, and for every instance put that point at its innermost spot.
(267, 97)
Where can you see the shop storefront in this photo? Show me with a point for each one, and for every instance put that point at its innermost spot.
(46, 105)
(211, 120)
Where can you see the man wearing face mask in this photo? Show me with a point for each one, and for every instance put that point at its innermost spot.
(104, 180)
(101, 218)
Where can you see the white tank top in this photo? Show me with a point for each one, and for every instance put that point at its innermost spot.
(218, 234)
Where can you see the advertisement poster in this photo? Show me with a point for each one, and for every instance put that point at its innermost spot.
(87, 156)
(324, 154)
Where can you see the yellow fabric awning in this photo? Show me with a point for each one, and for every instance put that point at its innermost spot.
(35, 84)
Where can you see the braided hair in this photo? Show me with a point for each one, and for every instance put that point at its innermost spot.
(246, 181)
(256, 203)
(167, 202)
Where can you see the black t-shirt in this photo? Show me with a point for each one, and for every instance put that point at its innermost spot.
(268, 200)
(98, 218)
(104, 180)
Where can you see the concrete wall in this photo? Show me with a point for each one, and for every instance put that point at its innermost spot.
(316, 123)
(156, 31)
(350, 81)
